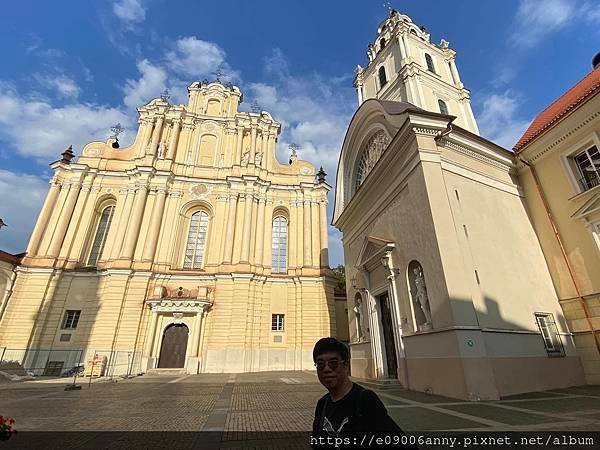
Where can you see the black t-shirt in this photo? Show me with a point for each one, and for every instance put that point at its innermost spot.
(360, 412)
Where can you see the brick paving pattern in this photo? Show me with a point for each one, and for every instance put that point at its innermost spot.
(259, 411)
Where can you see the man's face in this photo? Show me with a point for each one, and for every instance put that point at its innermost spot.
(331, 369)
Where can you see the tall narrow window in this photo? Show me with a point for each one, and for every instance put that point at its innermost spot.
(588, 164)
(443, 106)
(101, 233)
(279, 245)
(381, 44)
(382, 77)
(196, 240)
(277, 322)
(429, 61)
(71, 319)
(552, 342)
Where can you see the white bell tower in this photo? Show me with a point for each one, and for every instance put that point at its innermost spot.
(405, 66)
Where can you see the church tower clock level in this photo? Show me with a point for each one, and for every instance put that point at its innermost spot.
(405, 66)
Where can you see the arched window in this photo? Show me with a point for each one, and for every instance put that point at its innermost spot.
(382, 77)
(279, 245)
(100, 236)
(381, 44)
(429, 62)
(196, 241)
(443, 106)
(369, 156)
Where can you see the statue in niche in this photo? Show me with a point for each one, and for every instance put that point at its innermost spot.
(258, 159)
(245, 158)
(358, 313)
(420, 297)
(162, 149)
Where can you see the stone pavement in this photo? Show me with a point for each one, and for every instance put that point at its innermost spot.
(259, 409)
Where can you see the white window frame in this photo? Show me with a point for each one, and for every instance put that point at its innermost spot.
(279, 249)
(568, 162)
(70, 321)
(102, 242)
(550, 335)
(278, 322)
(193, 246)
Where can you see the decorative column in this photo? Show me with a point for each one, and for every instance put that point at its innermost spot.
(247, 225)
(315, 234)
(307, 234)
(196, 334)
(64, 219)
(324, 237)
(230, 228)
(156, 135)
(83, 215)
(299, 234)
(260, 232)
(151, 333)
(252, 143)
(174, 140)
(238, 146)
(40, 226)
(267, 232)
(127, 193)
(455, 72)
(270, 151)
(145, 133)
(133, 228)
(154, 228)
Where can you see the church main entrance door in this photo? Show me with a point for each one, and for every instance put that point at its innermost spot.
(388, 335)
(174, 345)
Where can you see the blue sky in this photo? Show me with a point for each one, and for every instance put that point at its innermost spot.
(71, 69)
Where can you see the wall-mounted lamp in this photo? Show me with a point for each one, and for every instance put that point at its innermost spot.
(385, 261)
(353, 282)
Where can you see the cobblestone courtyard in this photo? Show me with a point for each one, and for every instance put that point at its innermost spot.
(250, 409)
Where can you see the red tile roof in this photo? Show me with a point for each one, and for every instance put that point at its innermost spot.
(561, 107)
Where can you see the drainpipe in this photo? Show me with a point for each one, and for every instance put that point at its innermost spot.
(562, 249)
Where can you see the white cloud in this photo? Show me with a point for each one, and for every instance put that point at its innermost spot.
(64, 86)
(196, 58)
(152, 81)
(535, 20)
(51, 129)
(130, 11)
(499, 120)
(19, 208)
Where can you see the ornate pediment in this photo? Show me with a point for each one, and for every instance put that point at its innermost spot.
(373, 247)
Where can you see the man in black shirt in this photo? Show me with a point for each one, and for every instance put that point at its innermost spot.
(349, 416)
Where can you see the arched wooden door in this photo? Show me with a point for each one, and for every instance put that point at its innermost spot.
(174, 345)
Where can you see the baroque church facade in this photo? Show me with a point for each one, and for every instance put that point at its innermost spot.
(193, 248)
(448, 288)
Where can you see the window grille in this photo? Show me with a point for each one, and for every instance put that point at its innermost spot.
(101, 233)
(71, 319)
(196, 240)
(588, 165)
(550, 336)
(277, 322)
(279, 245)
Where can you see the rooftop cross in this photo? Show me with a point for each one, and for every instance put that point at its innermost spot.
(218, 73)
(165, 95)
(116, 129)
(389, 7)
(294, 148)
(255, 106)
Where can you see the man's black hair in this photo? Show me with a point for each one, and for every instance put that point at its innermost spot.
(329, 344)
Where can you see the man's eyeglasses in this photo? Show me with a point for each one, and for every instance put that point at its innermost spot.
(332, 363)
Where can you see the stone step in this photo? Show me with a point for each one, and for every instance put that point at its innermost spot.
(381, 384)
(169, 372)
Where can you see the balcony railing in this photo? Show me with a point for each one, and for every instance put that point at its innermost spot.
(590, 180)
